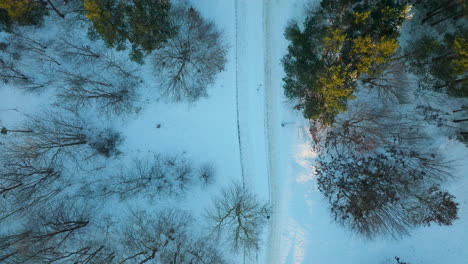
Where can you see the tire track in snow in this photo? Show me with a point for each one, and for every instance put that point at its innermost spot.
(238, 43)
(243, 9)
(240, 9)
(271, 118)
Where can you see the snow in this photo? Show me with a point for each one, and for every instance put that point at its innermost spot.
(302, 230)
(238, 129)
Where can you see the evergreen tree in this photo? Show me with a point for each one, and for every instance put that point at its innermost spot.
(146, 24)
(341, 43)
(441, 64)
(435, 12)
(5, 21)
(150, 26)
(22, 12)
(109, 21)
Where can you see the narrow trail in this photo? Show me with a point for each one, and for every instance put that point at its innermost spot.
(271, 119)
(241, 156)
(245, 98)
(257, 122)
(267, 83)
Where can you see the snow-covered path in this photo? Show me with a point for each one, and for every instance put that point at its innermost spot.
(276, 162)
(280, 139)
(266, 148)
(250, 99)
(249, 91)
(271, 116)
(302, 231)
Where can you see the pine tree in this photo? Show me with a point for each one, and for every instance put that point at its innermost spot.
(435, 12)
(5, 21)
(150, 26)
(146, 24)
(22, 12)
(342, 42)
(368, 54)
(441, 64)
(108, 18)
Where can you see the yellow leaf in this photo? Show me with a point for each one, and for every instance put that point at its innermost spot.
(360, 17)
(16, 8)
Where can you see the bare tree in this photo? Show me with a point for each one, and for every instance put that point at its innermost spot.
(207, 173)
(365, 128)
(239, 216)
(26, 182)
(61, 133)
(33, 48)
(95, 58)
(9, 72)
(99, 80)
(392, 84)
(109, 97)
(388, 193)
(155, 177)
(5, 130)
(166, 238)
(46, 236)
(13, 70)
(77, 53)
(188, 63)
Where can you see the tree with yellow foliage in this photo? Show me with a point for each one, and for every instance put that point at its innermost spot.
(17, 8)
(146, 24)
(368, 53)
(335, 88)
(361, 17)
(108, 18)
(24, 12)
(341, 43)
(333, 40)
(441, 64)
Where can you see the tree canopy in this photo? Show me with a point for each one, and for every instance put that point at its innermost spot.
(146, 24)
(442, 63)
(335, 49)
(21, 12)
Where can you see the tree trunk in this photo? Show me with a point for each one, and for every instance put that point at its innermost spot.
(445, 56)
(399, 58)
(445, 18)
(460, 120)
(438, 10)
(20, 131)
(73, 144)
(5, 131)
(450, 83)
(464, 108)
(431, 14)
(48, 2)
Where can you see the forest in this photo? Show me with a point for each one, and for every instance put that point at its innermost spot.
(381, 83)
(382, 86)
(68, 181)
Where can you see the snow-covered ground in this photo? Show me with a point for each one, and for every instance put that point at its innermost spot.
(302, 230)
(238, 129)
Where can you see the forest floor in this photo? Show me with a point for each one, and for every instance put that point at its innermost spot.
(302, 230)
(249, 132)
